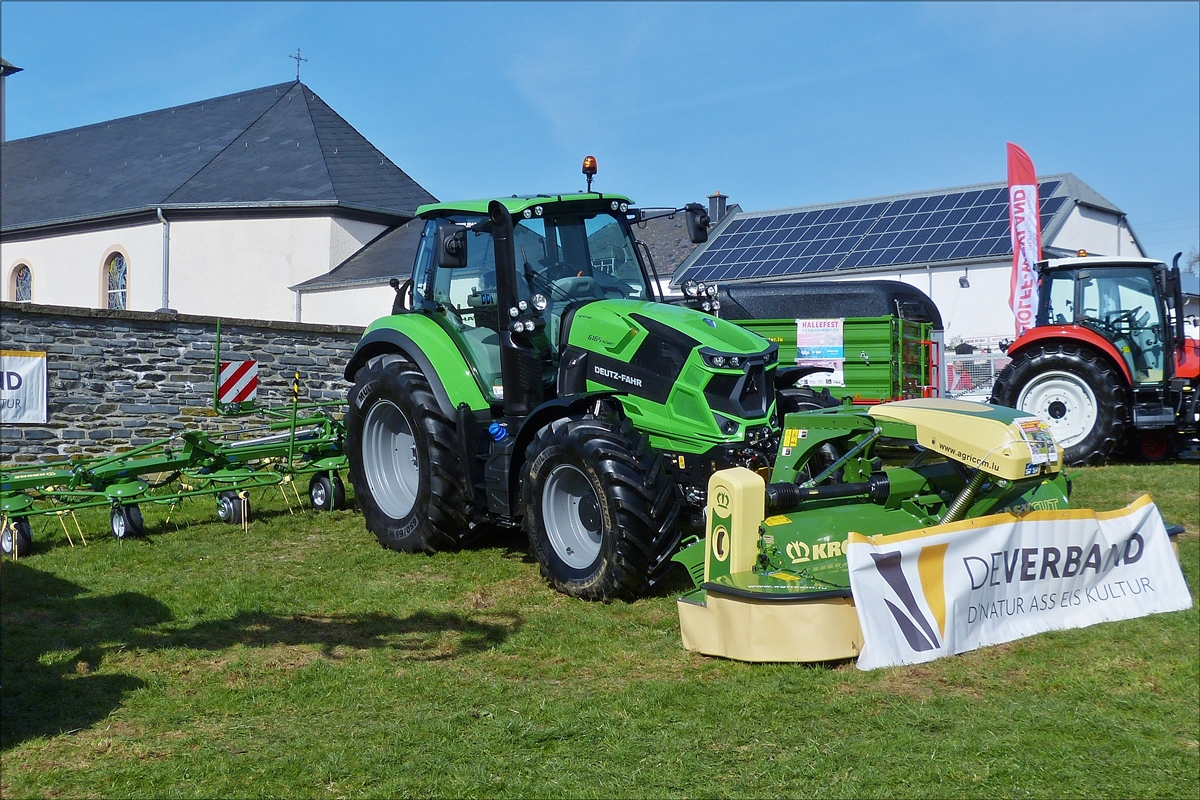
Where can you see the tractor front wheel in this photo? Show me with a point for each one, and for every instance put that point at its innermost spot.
(1074, 390)
(601, 512)
(404, 460)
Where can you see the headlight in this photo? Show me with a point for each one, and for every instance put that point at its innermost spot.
(707, 306)
(514, 312)
(527, 213)
(712, 290)
(614, 205)
(624, 207)
(540, 302)
(718, 361)
(521, 304)
(537, 210)
(690, 289)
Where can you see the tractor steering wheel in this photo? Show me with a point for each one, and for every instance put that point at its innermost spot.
(1128, 318)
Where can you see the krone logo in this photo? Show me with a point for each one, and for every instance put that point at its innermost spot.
(720, 540)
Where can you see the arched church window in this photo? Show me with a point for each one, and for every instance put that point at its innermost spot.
(23, 284)
(117, 281)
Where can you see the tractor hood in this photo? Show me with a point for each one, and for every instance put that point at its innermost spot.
(618, 328)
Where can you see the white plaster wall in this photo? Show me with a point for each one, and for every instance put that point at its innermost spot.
(979, 311)
(69, 270)
(357, 306)
(347, 237)
(1095, 231)
(242, 268)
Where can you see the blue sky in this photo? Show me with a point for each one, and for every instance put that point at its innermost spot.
(773, 104)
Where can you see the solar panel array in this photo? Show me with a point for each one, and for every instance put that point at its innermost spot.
(941, 227)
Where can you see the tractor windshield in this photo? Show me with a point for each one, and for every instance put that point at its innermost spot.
(578, 257)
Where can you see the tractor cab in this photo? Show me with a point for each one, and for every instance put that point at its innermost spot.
(1126, 303)
(564, 252)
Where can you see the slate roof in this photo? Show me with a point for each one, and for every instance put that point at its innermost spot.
(389, 255)
(667, 238)
(279, 146)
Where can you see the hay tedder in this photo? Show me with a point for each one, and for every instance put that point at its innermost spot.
(771, 578)
(285, 444)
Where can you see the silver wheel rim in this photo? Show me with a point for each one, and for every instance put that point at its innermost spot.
(571, 514)
(224, 509)
(118, 524)
(317, 494)
(390, 462)
(1065, 402)
(6, 540)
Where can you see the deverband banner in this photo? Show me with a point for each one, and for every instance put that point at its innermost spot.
(934, 592)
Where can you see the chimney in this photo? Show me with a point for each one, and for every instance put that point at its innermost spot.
(6, 69)
(716, 207)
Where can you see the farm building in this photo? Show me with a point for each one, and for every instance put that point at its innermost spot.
(215, 207)
(953, 244)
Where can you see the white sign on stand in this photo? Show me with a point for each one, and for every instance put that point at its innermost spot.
(949, 589)
(23, 387)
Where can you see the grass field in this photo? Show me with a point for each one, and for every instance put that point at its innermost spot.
(301, 659)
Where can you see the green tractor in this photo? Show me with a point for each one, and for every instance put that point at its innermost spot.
(528, 375)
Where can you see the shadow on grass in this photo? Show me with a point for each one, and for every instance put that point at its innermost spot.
(56, 637)
(43, 615)
(422, 636)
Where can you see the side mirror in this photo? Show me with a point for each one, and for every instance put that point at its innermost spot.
(697, 223)
(451, 246)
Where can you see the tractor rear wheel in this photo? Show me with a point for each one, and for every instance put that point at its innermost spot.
(404, 460)
(19, 536)
(601, 513)
(1075, 390)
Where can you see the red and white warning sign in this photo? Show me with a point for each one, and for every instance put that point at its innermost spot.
(239, 381)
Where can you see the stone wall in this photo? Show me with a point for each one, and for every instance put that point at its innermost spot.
(118, 379)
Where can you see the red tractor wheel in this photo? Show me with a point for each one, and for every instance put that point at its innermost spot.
(1153, 445)
(1075, 390)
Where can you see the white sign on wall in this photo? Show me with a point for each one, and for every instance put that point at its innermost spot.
(22, 387)
(939, 591)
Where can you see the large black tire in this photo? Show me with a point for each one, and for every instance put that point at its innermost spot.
(404, 460)
(17, 535)
(601, 513)
(804, 398)
(1075, 390)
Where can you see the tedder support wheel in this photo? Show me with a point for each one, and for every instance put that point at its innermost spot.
(233, 509)
(601, 512)
(17, 534)
(1079, 395)
(326, 493)
(404, 460)
(126, 522)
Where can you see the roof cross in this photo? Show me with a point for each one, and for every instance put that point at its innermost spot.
(297, 59)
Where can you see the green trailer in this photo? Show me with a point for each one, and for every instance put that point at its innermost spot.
(892, 336)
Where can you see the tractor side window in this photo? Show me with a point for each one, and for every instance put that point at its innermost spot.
(1060, 299)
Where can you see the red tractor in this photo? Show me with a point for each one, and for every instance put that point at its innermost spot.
(1108, 362)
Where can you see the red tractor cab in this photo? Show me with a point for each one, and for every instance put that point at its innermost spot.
(1107, 362)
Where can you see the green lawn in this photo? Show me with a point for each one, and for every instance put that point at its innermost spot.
(301, 659)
